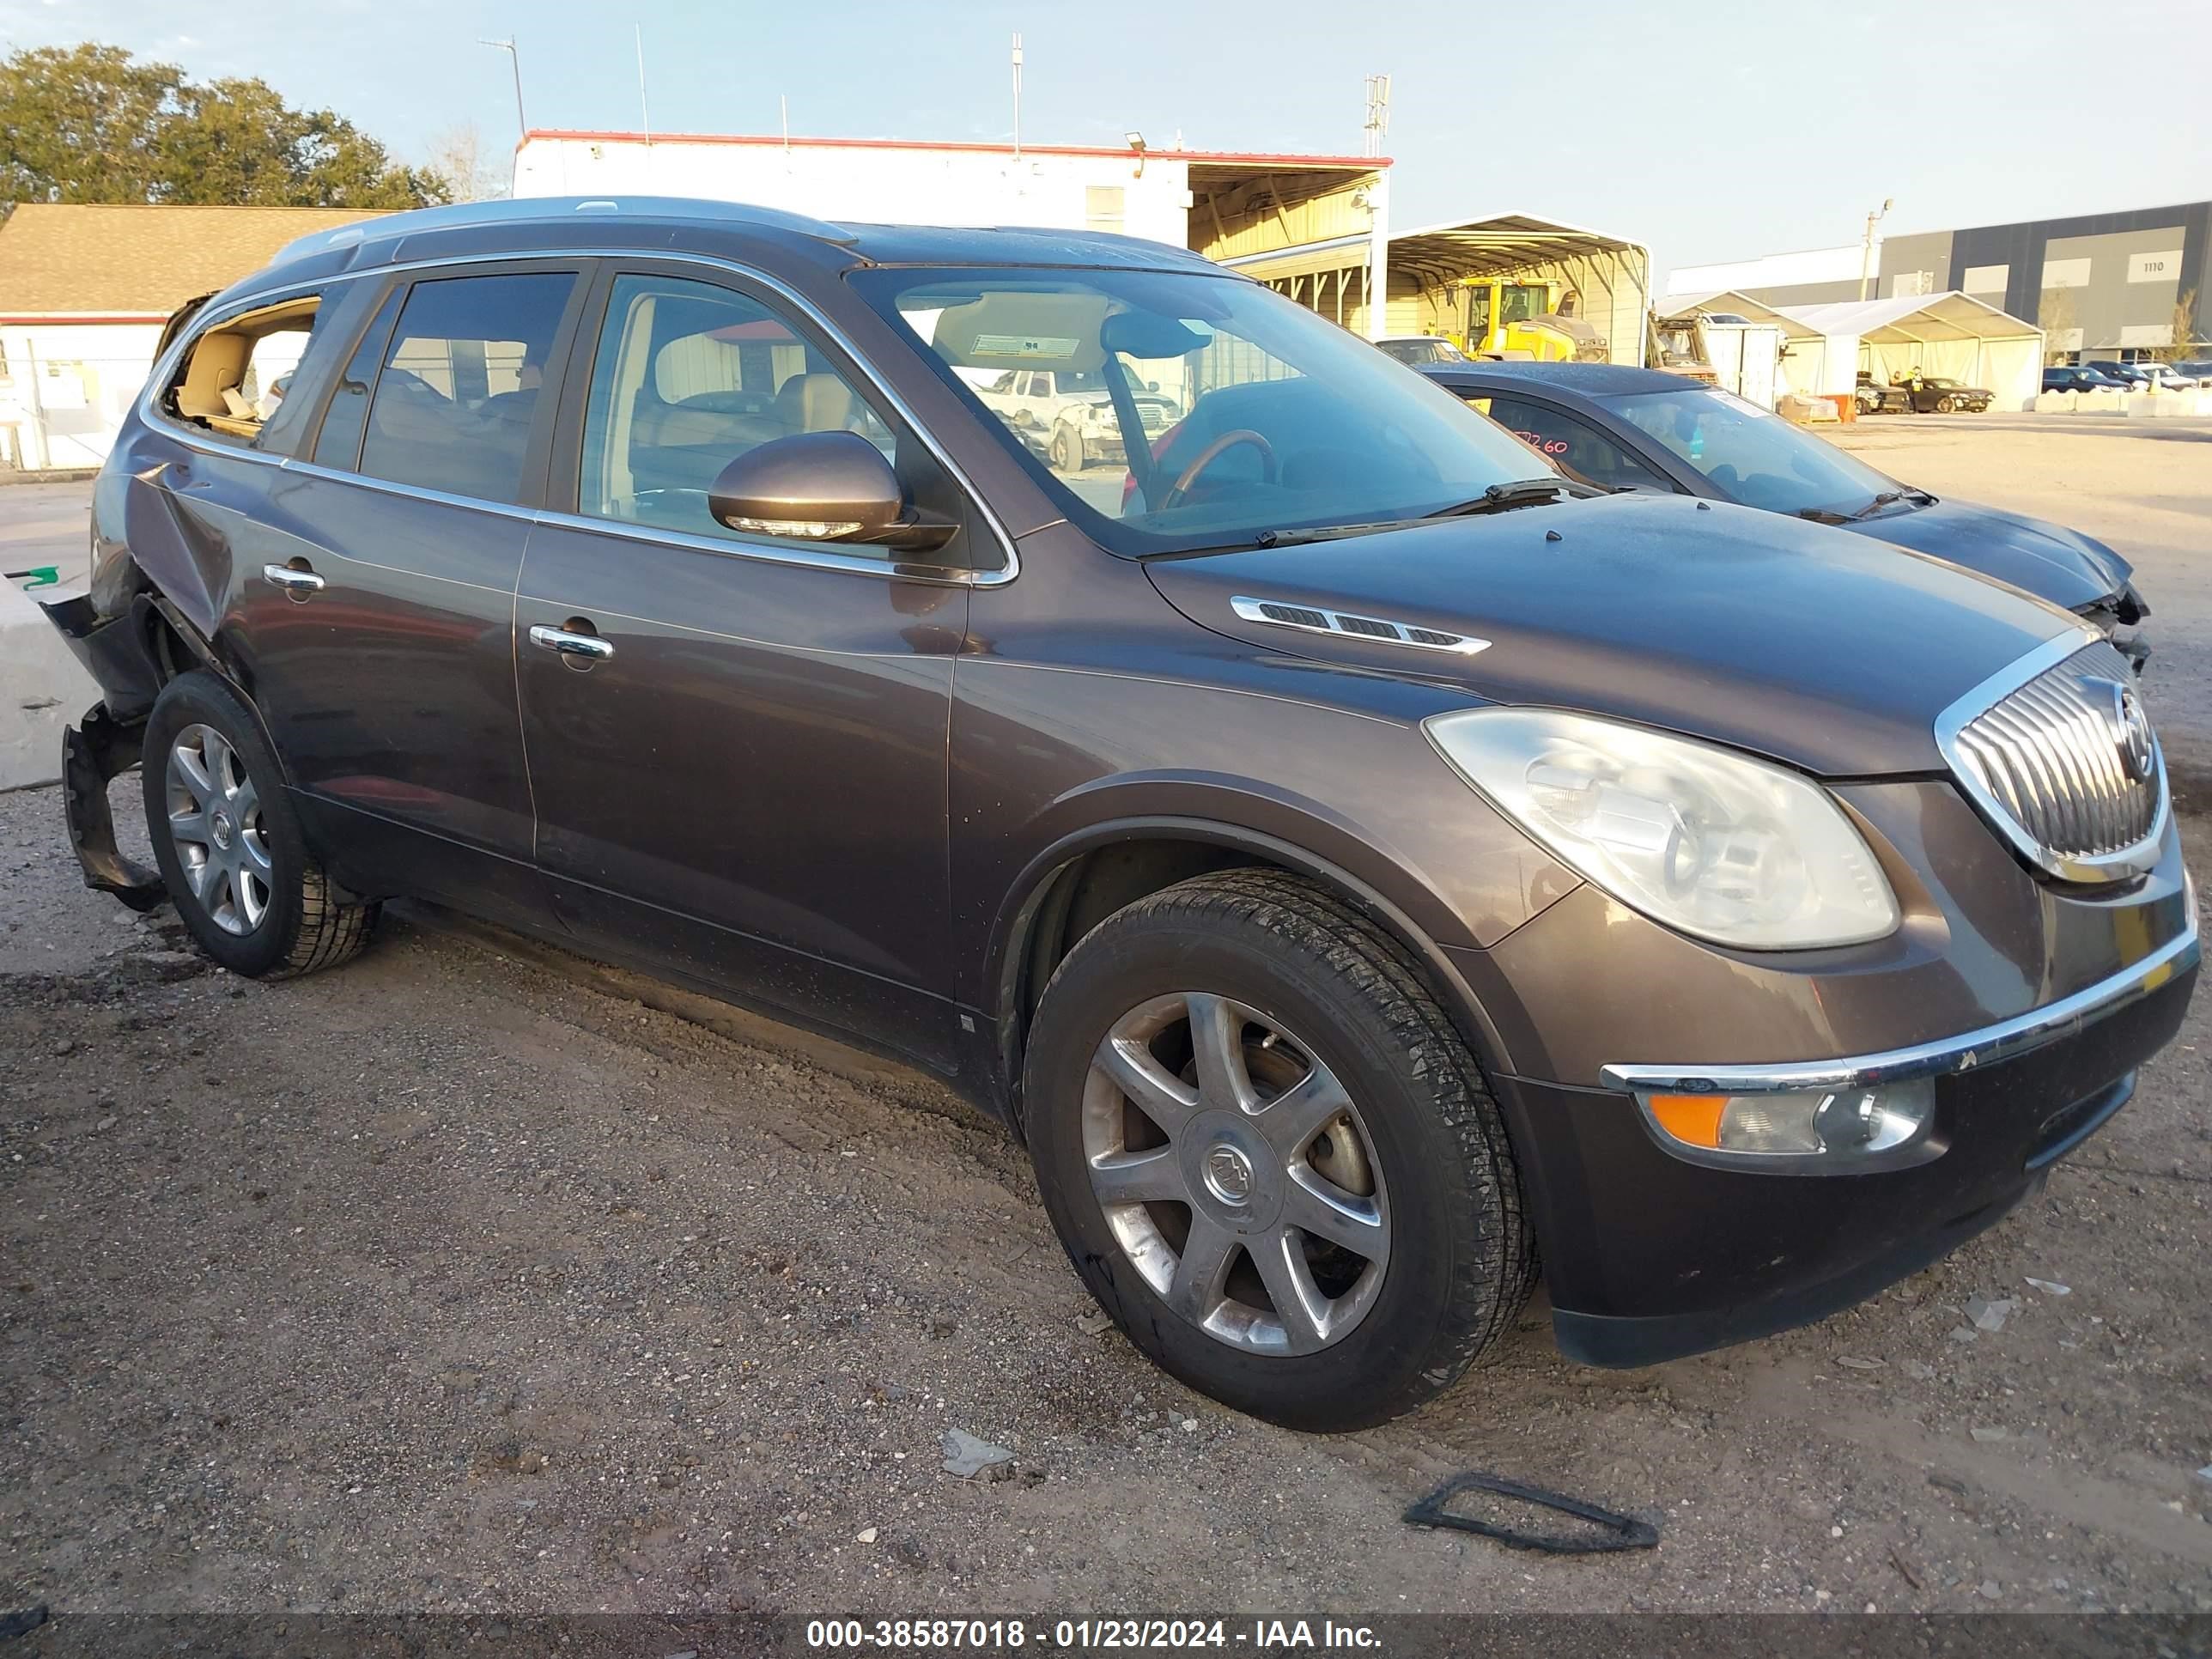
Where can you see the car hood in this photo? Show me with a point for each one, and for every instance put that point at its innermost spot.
(2048, 560)
(1830, 651)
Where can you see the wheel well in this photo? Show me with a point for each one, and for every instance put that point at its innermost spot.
(1093, 884)
(1086, 890)
(166, 648)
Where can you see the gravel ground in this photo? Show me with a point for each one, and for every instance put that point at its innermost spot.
(473, 1276)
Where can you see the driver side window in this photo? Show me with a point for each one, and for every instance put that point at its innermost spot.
(1576, 448)
(688, 377)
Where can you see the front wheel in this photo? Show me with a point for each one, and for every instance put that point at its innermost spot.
(229, 844)
(1944, 406)
(1270, 1156)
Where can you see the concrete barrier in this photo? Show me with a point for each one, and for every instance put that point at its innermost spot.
(2136, 405)
(42, 689)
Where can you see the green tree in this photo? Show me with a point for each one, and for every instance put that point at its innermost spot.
(2182, 346)
(90, 123)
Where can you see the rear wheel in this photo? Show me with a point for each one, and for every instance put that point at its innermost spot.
(1270, 1156)
(228, 842)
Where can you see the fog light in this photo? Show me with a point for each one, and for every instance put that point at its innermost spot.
(1839, 1123)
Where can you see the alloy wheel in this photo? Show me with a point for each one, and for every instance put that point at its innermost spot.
(1236, 1172)
(215, 820)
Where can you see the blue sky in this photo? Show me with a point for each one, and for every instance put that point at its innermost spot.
(1713, 131)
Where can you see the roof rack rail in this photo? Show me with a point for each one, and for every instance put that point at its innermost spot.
(546, 209)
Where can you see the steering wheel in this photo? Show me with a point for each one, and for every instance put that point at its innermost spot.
(1173, 494)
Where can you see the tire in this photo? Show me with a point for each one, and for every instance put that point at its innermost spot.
(248, 891)
(1420, 1162)
(1060, 460)
(1944, 406)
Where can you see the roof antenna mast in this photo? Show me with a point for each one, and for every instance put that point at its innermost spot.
(1379, 112)
(1017, 95)
(644, 114)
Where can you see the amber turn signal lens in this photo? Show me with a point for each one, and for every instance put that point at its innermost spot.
(1694, 1118)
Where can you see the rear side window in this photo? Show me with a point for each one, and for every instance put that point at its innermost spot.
(456, 395)
(339, 443)
(234, 377)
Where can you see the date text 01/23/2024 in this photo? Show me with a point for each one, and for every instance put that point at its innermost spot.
(1260, 1635)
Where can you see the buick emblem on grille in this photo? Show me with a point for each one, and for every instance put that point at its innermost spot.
(2131, 733)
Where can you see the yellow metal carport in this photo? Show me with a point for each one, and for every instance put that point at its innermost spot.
(1421, 269)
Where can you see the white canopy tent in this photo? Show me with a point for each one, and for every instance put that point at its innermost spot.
(1807, 364)
(1952, 335)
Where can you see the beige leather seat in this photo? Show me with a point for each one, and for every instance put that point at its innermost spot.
(815, 403)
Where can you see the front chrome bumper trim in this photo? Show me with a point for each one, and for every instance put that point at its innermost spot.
(2007, 1040)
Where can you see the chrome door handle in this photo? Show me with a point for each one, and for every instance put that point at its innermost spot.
(590, 647)
(298, 583)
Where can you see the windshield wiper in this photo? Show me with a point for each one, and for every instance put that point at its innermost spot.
(1888, 498)
(1521, 492)
(1502, 497)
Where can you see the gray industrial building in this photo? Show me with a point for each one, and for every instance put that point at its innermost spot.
(2098, 284)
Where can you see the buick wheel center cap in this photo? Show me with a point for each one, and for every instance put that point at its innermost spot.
(1229, 1175)
(221, 826)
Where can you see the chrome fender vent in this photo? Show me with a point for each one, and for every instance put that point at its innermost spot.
(1312, 619)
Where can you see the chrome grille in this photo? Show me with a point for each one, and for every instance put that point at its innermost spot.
(2050, 761)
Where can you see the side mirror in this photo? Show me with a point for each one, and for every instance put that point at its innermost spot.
(822, 486)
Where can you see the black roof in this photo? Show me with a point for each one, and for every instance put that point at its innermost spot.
(1587, 380)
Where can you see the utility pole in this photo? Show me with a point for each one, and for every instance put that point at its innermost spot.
(515, 58)
(1866, 244)
(1017, 95)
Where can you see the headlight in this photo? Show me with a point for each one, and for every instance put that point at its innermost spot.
(1703, 839)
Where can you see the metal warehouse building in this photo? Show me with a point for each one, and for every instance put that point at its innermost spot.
(2099, 284)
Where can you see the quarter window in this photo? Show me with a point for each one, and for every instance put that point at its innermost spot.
(458, 393)
(688, 377)
(235, 376)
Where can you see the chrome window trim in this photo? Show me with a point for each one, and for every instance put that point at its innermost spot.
(766, 552)
(769, 552)
(2006, 1040)
(412, 492)
(1253, 611)
(2124, 865)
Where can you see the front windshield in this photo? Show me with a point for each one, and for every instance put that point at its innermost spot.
(1232, 414)
(1751, 456)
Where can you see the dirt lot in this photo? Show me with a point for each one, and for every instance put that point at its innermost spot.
(464, 1277)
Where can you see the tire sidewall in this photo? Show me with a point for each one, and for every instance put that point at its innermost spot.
(1420, 1321)
(198, 698)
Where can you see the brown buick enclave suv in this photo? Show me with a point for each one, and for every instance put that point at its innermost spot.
(1360, 871)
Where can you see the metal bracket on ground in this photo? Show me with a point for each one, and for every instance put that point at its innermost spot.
(1614, 1532)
